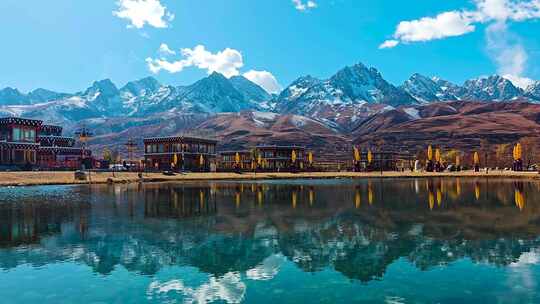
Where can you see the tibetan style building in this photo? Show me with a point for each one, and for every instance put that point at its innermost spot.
(18, 142)
(59, 152)
(179, 153)
(231, 160)
(280, 158)
(29, 144)
(385, 161)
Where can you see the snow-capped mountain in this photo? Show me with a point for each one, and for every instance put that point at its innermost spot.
(533, 91)
(250, 90)
(216, 94)
(145, 86)
(488, 89)
(142, 98)
(343, 101)
(426, 89)
(356, 85)
(492, 88)
(350, 95)
(359, 83)
(105, 97)
(11, 96)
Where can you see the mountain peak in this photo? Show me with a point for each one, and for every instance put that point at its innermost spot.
(142, 86)
(533, 91)
(216, 93)
(239, 77)
(43, 95)
(249, 89)
(105, 87)
(217, 76)
(360, 83)
(492, 88)
(12, 96)
(426, 89)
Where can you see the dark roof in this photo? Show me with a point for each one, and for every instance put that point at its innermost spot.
(51, 128)
(234, 152)
(71, 150)
(179, 139)
(56, 137)
(19, 145)
(20, 121)
(293, 147)
(53, 140)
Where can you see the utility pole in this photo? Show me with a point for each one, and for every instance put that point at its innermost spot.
(84, 135)
(131, 146)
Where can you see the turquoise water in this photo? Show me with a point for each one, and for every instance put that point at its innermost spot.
(301, 241)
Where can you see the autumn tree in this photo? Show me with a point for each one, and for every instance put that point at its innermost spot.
(107, 155)
(450, 155)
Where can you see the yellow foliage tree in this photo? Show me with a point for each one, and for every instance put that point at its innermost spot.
(430, 153)
(107, 155)
(356, 154)
(437, 155)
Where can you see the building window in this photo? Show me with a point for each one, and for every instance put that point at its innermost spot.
(30, 135)
(17, 136)
(21, 134)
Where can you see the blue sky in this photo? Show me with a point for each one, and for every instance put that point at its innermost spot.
(64, 45)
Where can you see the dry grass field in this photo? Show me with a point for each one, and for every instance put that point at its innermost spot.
(58, 178)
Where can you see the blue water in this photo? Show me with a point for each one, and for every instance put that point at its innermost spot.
(301, 241)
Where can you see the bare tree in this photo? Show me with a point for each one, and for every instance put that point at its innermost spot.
(485, 148)
(501, 154)
(529, 147)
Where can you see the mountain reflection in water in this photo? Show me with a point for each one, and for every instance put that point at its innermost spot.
(233, 231)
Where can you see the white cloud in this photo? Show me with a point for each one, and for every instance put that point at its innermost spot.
(518, 81)
(140, 12)
(267, 270)
(444, 25)
(302, 6)
(226, 62)
(229, 289)
(264, 79)
(508, 53)
(503, 47)
(388, 44)
(165, 50)
(457, 23)
(502, 10)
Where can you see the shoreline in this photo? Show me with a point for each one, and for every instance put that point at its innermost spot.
(67, 177)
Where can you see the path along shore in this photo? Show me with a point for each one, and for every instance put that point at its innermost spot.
(66, 178)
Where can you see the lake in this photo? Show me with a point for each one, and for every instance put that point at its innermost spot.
(446, 240)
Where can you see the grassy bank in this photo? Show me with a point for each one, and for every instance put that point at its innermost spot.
(64, 178)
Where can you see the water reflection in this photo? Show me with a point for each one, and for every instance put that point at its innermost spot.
(235, 230)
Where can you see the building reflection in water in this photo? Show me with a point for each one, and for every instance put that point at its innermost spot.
(179, 202)
(224, 228)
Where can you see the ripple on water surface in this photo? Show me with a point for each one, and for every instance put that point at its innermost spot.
(441, 240)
